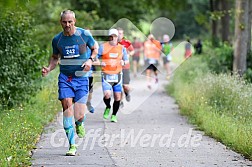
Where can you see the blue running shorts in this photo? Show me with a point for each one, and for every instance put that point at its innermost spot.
(115, 85)
(73, 87)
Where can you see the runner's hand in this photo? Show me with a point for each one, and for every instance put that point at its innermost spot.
(87, 65)
(103, 64)
(45, 71)
(122, 63)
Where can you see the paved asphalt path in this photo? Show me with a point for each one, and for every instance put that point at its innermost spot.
(150, 132)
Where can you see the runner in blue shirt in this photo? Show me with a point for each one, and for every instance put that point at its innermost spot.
(70, 51)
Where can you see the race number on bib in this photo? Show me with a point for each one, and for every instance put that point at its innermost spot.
(71, 51)
(112, 77)
(113, 55)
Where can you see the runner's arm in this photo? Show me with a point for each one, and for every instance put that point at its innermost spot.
(125, 57)
(94, 50)
(95, 55)
(52, 64)
(131, 50)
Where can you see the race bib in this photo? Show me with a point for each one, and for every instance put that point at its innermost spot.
(113, 55)
(111, 77)
(71, 51)
(152, 61)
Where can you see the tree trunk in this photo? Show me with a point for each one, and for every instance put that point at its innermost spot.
(241, 36)
(249, 27)
(214, 6)
(225, 7)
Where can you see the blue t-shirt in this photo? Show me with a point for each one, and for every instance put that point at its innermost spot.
(73, 51)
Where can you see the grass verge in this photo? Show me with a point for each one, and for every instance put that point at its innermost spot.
(20, 127)
(220, 104)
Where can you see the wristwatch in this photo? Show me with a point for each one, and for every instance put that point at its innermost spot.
(92, 59)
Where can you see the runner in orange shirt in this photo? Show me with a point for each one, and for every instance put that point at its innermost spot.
(152, 52)
(113, 58)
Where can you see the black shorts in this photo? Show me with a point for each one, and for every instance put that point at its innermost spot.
(152, 67)
(165, 60)
(149, 65)
(90, 86)
(126, 76)
(136, 58)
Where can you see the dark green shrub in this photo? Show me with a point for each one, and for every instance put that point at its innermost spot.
(220, 59)
(19, 58)
(248, 73)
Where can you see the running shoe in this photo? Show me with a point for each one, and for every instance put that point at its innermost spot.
(90, 107)
(113, 118)
(149, 86)
(106, 113)
(121, 104)
(128, 97)
(80, 130)
(72, 150)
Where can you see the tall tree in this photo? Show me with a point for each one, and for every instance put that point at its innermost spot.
(225, 7)
(241, 36)
(214, 7)
(249, 27)
(110, 11)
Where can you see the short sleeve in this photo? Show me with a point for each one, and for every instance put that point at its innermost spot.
(100, 50)
(54, 46)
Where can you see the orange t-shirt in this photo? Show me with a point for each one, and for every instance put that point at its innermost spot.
(152, 49)
(112, 56)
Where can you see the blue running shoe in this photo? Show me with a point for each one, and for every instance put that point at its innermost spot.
(90, 107)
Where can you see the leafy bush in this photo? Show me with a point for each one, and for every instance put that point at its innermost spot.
(220, 59)
(20, 59)
(248, 73)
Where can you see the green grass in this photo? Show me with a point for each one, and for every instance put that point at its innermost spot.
(20, 128)
(219, 104)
